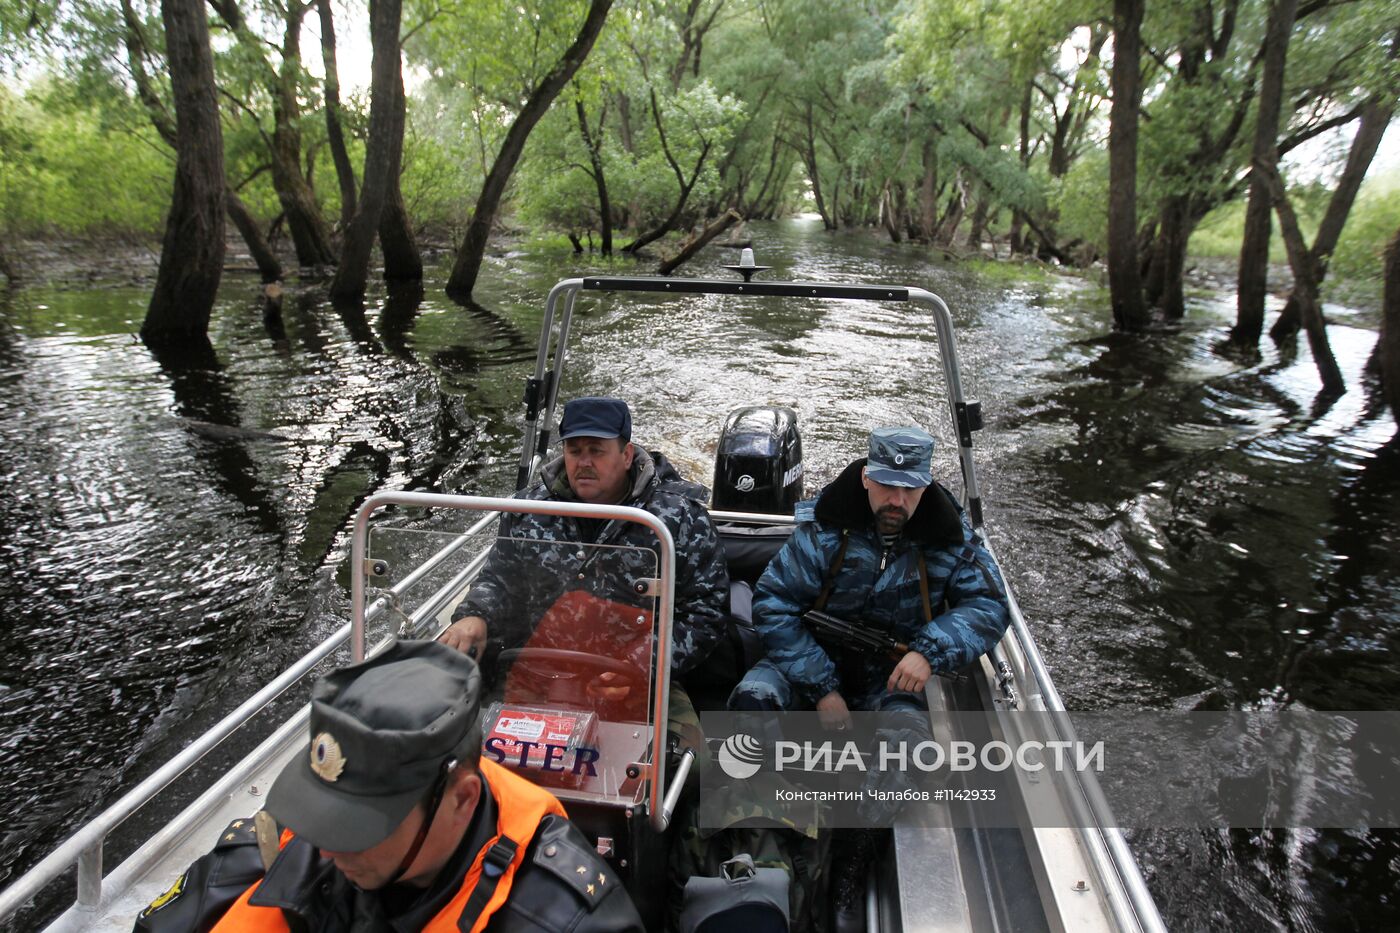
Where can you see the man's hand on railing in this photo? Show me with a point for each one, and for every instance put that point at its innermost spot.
(467, 635)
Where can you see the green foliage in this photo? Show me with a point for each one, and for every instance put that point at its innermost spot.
(1355, 275)
(1081, 200)
(56, 169)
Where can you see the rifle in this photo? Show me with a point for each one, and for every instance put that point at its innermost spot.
(834, 633)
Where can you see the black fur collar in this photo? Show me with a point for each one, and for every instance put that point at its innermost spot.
(845, 503)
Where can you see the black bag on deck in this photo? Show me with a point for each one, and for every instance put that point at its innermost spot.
(741, 897)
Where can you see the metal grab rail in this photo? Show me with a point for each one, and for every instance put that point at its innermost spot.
(656, 812)
(85, 847)
(1107, 848)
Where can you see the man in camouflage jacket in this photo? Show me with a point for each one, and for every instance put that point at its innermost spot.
(887, 510)
(523, 579)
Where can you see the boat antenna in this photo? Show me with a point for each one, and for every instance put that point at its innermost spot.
(746, 268)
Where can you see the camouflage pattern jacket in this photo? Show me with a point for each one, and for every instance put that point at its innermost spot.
(877, 588)
(522, 580)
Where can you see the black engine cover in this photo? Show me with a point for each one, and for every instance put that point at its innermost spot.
(758, 466)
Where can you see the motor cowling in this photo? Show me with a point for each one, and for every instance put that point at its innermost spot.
(758, 464)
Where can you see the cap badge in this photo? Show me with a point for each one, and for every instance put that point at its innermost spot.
(899, 459)
(326, 758)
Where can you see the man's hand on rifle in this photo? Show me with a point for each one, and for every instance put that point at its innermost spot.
(833, 712)
(911, 673)
(467, 635)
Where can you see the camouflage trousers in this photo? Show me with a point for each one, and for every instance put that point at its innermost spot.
(765, 688)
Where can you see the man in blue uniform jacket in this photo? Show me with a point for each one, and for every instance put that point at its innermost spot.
(886, 547)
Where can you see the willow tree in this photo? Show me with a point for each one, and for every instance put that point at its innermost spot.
(192, 253)
(467, 264)
(140, 61)
(1124, 283)
(1254, 248)
(383, 151)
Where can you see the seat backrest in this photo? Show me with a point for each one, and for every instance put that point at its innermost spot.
(749, 548)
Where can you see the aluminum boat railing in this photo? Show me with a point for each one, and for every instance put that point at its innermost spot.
(85, 848)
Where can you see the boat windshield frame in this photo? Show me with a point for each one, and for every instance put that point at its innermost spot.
(542, 390)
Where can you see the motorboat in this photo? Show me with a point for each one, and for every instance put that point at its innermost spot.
(415, 555)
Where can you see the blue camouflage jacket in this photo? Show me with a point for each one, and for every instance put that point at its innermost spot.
(521, 579)
(879, 589)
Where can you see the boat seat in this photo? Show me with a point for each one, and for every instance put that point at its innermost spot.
(709, 684)
(748, 548)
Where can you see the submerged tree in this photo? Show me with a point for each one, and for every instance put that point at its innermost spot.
(1124, 283)
(1254, 250)
(192, 254)
(473, 249)
(1390, 329)
(382, 153)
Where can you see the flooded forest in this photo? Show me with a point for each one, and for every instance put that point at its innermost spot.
(260, 259)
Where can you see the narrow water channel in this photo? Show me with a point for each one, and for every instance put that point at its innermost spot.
(1183, 530)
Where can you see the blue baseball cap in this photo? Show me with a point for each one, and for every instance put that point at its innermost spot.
(900, 457)
(596, 416)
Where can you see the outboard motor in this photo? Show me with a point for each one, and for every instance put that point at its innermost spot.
(758, 466)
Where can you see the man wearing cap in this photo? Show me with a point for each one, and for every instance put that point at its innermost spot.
(393, 823)
(887, 548)
(884, 547)
(522, 582)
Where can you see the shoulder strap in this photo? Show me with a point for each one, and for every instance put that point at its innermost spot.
(831, 572)
(493, 868)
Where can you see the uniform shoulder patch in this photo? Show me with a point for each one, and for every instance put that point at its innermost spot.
(563, 851)
(239, 832)
(170, 895)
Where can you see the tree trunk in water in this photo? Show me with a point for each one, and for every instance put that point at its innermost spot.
(402, 261)
(928, 195)
(1258, 218)
(888, 219)
(136, 46)
(1167, 266)
(192, 255)
(268, 265)
(600, 180)
(953, 217)
(335, 135)
(1124, 282)
(696, 243)
(809, 156)
(1389, 343)
(979, 220)
(467, 265)
(310, 234)
(1305, 287)
(381, 151)
(1374, 120)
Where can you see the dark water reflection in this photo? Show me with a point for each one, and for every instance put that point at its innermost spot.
(1183, 530)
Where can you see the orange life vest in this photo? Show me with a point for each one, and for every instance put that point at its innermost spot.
(520, 806)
